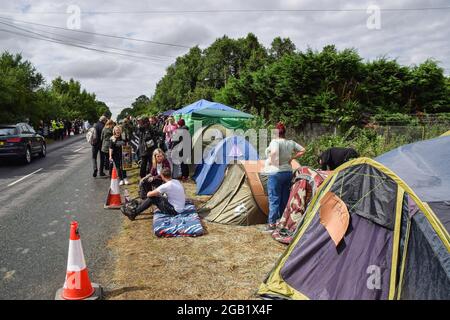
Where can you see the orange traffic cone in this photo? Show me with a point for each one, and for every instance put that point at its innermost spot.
(113, 200)
(77, 285)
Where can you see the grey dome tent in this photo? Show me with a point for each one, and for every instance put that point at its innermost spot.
(394, 212)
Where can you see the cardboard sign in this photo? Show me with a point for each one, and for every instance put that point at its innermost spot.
(334, 216)
(127, 159)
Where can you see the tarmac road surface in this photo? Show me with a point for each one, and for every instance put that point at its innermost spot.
(37, 204)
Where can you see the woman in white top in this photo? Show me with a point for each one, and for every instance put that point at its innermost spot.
(279, 154)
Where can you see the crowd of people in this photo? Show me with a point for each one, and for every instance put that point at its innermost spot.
(59, 129)
(152, 140)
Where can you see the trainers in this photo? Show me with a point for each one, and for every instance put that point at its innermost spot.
(121, 183)
(126, 181)
(270, 228)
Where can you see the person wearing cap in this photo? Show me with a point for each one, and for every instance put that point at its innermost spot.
(97, 147)
(280, 153)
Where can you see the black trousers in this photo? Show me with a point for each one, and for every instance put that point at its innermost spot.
(117, 161)
(95, 151)
(145, 162)
(161, 202)
(147, 186)
(184, 170)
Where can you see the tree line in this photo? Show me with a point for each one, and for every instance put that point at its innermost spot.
(281, 82)
(24, 95)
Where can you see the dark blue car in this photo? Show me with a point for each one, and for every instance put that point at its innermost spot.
(20, 141)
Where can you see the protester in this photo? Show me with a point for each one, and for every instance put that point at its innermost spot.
(127, 130)
(147, 144)
(96, 148)
(180, 170)
(153, 179)
(172, 203)
(115, 155)
(158, 135)
(332, 158)
(107, 133)
(279, 154)
(169, 128)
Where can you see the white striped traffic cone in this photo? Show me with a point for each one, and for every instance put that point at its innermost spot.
(113, 200)
(77, 285)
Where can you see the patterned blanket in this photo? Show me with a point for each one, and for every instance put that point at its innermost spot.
(306, 181)
(185, 224)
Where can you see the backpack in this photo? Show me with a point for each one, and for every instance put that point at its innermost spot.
(91, 136)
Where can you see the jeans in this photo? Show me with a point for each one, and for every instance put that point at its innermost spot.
(279, 187)
(95, 151)
(161, 202)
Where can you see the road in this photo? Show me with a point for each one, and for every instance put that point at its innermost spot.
(37, 204)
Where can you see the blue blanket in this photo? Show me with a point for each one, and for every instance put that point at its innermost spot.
(185, 224)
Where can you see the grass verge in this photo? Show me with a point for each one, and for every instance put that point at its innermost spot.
(227, 263)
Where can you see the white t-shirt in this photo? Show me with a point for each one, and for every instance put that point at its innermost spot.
(159, 168)
(175, 194)
(282, 150)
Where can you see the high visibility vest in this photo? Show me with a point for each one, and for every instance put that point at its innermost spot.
(53, 127)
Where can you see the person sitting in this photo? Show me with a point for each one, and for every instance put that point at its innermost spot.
(169, 197)
(153, 179)
(332, 158)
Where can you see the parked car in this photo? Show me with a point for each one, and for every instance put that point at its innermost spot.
(20, 141)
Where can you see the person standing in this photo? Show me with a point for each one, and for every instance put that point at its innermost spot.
(107, 133)
(280, 153)
(115, 154)
(146, 145)
(180, 170)
(97, 146)
(169, 129)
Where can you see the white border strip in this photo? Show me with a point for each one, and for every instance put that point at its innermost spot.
(23, 178)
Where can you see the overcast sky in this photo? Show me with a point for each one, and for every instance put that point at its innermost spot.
(410, 36)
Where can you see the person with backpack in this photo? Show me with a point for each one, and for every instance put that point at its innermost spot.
(107, 133)
(94, 137)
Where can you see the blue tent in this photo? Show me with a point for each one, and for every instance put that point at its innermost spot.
(202, 105)
(168, 112)
(210, 174)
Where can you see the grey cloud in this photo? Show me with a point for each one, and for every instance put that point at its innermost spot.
(411, 36)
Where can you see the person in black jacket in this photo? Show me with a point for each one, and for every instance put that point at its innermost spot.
(146, 145)
(96, 148)
(332, 158)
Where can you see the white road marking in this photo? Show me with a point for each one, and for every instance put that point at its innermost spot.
(79, 149)
(23, 178)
